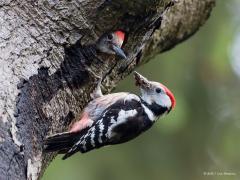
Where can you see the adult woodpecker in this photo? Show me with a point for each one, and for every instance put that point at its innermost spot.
(114, 118)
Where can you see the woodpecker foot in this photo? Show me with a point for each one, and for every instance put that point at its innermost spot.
(97, 91)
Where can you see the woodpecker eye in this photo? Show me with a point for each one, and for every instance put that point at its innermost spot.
(110, 36)
(158, 90)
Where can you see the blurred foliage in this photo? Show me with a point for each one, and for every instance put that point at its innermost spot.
(200, 135)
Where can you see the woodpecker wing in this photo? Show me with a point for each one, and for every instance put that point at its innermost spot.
(118, 123)
(96, 107)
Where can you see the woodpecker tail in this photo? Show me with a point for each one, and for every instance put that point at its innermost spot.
(60, 142)
(75, 148)
(85, 144)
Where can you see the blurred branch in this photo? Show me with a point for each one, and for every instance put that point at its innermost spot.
(178, 24)
(44, 84)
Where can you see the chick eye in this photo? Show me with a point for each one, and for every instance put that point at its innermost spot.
(110, 36)
(158, 90)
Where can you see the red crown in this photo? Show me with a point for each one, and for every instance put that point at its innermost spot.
(120, 35)
(170, 94)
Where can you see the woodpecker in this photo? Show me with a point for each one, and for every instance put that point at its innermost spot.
(114, 118)
(81, 61)
(111, 43)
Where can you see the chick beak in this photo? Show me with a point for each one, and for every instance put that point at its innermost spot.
(141, 81)
(119, 52)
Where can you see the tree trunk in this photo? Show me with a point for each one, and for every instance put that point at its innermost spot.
(44, 86)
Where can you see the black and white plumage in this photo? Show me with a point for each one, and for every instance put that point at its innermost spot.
(114, 118)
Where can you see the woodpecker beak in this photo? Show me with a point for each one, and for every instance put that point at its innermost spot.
(141, 81)
(119, 52)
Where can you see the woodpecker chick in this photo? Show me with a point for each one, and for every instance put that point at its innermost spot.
(114, 118)
(111, 43)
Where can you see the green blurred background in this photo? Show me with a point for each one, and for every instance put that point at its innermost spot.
(201, 135)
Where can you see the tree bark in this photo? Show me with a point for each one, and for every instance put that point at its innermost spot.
(44, 88)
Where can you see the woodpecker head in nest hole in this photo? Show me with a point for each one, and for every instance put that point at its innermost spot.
(111, 43)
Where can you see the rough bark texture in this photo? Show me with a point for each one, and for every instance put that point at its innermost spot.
(43, 84)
